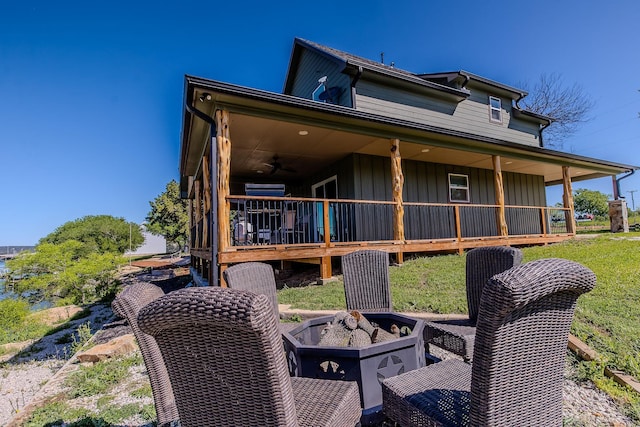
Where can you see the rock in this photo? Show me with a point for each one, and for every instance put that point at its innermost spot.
(119, 346)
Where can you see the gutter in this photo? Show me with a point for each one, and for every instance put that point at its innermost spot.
(213, 164)
(466, 80)
(617, 186)
(543, 126)
(354, 81)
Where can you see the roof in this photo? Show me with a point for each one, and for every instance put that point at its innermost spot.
(466, 75)
(280, 108)
(348, 60)
(352, 63)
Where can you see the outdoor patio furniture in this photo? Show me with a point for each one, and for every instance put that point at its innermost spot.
(517, 373)
(223, 352)
(366, 280)
(127, 304)
(258, 278)
(457, 336)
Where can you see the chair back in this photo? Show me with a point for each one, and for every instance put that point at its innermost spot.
(127, 305)
(223, 352)
(366, 281)
(521, 341)
(256, 277)
(242, 231)
(483, 263)
(289, 220)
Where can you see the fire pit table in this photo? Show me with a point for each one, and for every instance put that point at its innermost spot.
(368, 365)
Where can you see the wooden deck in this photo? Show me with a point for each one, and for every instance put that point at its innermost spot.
(325, 229)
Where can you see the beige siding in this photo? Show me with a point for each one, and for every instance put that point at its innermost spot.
(470, 115)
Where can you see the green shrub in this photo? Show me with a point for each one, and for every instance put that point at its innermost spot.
(13, 312)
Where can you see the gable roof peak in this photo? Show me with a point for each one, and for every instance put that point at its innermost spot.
(351, 63)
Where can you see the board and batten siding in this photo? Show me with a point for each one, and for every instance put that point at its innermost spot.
(470, 115)
(312, 67)
(428, 183)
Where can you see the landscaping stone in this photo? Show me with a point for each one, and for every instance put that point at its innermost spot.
(117, 347)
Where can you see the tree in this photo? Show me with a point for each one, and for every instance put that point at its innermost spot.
(168, 216)
(567, 105)
(61, 271)
(593, 202)
(99, 233)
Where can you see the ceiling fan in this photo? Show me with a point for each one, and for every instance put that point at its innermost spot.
(275, 166)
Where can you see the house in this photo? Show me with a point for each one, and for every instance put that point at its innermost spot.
(153, 244)
(357, 154)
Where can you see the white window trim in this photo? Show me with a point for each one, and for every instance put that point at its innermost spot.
(468, 200)
(315, 186)
(492, 108)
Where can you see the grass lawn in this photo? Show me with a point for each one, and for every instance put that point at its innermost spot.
(607, 319)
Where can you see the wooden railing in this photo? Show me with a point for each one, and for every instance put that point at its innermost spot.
(259, 221)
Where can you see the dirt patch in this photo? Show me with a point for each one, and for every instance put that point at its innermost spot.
(305, 275)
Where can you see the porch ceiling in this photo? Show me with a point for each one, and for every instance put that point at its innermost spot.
(256, 140)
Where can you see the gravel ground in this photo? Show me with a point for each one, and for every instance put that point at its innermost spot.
(23, 378)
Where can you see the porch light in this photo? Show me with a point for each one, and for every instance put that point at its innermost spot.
(303, 132)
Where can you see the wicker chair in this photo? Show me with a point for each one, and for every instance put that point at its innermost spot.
(457, 336)
(366, 281)
(224, 356)
(258, 278)
(127, 305)
(520, 348)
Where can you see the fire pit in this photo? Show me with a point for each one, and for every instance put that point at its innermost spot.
(368, 365)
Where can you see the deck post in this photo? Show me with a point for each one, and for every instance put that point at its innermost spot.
(206, 201)
(456, 212)
(567, 199)
(325, 268)
(325, 261)
(198, 213)
(499, 192)
(224, 170)
(397, 185)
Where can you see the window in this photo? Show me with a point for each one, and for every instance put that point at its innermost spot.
(495, 109)
(458, 188)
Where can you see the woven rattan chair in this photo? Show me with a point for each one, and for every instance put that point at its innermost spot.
(127, 304)
(366, 280)
(457, 336)
(517, 373)
(224, 356)
(258, 278)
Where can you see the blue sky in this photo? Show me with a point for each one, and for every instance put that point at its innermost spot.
(91, 92)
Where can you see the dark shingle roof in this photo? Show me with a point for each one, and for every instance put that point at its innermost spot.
(355, 61)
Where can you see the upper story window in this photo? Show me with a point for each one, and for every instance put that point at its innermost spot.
(495, 109)
(458, 188)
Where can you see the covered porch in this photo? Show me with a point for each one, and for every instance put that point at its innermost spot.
(350, 180)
